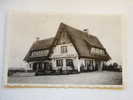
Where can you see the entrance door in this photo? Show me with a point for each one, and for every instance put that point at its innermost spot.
(69, 63)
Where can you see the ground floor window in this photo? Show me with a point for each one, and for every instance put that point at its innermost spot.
(89, 62)
(69, 62)
(59, 62)
(90, 65)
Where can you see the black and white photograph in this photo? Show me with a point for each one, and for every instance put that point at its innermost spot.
(64, 50)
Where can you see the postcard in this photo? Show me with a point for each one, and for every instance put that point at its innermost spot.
(65, 50)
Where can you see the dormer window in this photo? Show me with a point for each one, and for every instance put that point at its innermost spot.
(63, 49)
(96, 51)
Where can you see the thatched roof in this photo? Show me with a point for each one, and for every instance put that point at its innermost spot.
(39, 45)
(42, 44)
(81, 40)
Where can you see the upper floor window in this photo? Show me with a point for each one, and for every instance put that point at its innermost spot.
(96, 51)
(63, 49)
(39, 53)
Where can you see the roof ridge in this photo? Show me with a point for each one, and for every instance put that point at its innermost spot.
(66, 25)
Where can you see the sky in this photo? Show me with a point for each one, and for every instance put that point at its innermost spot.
(23, 27)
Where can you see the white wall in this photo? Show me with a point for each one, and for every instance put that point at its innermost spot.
(70, 51)
(79, 6)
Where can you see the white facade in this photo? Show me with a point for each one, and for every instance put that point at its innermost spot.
(70, 54)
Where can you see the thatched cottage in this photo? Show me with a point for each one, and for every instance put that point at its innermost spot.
(71, 49)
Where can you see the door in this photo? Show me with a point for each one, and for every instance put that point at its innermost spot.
(69, 63)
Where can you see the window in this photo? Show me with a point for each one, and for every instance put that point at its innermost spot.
(103, 53)
(59, 62)
(69, 62)
(63, 49)
(96, 51)
(39, 53)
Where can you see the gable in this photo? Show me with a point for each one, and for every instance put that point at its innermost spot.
(63, 39)
(83, 42)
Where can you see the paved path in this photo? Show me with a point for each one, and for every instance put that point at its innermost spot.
(89, 78)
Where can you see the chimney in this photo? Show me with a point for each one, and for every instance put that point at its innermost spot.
(37, 38)
(86, 30)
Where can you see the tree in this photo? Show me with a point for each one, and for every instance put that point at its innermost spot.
(115, 66)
